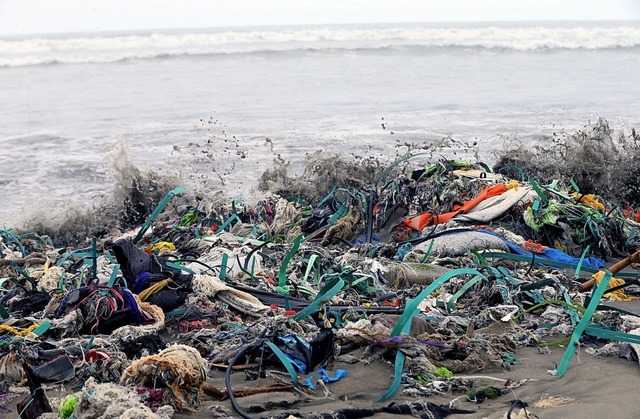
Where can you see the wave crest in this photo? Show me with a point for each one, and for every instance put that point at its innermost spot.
(101, 49)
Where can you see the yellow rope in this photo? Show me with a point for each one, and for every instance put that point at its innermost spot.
(4, 329)
(144, 295)
(163, 245)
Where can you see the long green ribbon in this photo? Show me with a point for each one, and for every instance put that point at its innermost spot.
(404, 324)
(398, 365)
(451, 303)
(156, 213)
(326, 293)
(584, 254)
(413, 305)
(584, 321)
(285, 361)
(599, 332)
(282, 275)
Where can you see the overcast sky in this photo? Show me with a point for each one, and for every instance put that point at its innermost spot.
(60, 16)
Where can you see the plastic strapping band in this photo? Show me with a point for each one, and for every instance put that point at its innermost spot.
(411, 307)
(502, 286)
(44, 326)
(599, 332)
(586, 318)
(572, 313)
(163, 203)
(112, 279)
(398, 365)
(223, 267)
(285, 361)
(584, 254)
(451, 303)
(312, 261)
(182, 268)
(539, 191)
(326, 293)
(425, 258)
(90, 344)
(226, 223)
(282, 275)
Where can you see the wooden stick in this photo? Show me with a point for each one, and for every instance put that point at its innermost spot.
(614, 269)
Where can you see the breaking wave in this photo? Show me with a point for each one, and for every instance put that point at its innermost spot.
(111, 48)
(596, 159)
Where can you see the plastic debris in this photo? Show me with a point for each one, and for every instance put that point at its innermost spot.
(448, 269)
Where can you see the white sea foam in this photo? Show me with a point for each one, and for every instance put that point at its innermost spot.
(109, 48)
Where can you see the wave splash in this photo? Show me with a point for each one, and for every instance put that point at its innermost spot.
(597, 159)
(103, 49)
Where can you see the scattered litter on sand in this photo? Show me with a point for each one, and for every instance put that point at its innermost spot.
(443, 273)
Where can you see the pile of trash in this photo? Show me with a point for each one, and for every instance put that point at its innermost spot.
(443, 271)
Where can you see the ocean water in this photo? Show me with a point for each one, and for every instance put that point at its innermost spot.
(213, 109)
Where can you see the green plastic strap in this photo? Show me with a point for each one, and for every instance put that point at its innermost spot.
(536, 295)
(413, 305)
(539, 191)
(574, 186)
(223, 267)
(61, 282)
(502, 286)
(44, 326)
(179, 266)
(310, 264)
(599, 332)
(572, 313)
(282, 275)
(342, 211)
(326, 293)
(177, 312)
(398, 365)
(156, 213)
(285, 361)
(80, 253)
(584, 254)
(227, 222)
(425, 258)
(586, 318)
(110, 257)
(112, 279)
(451, 303)
(386, 171)
(90, 344)
(3, 312)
